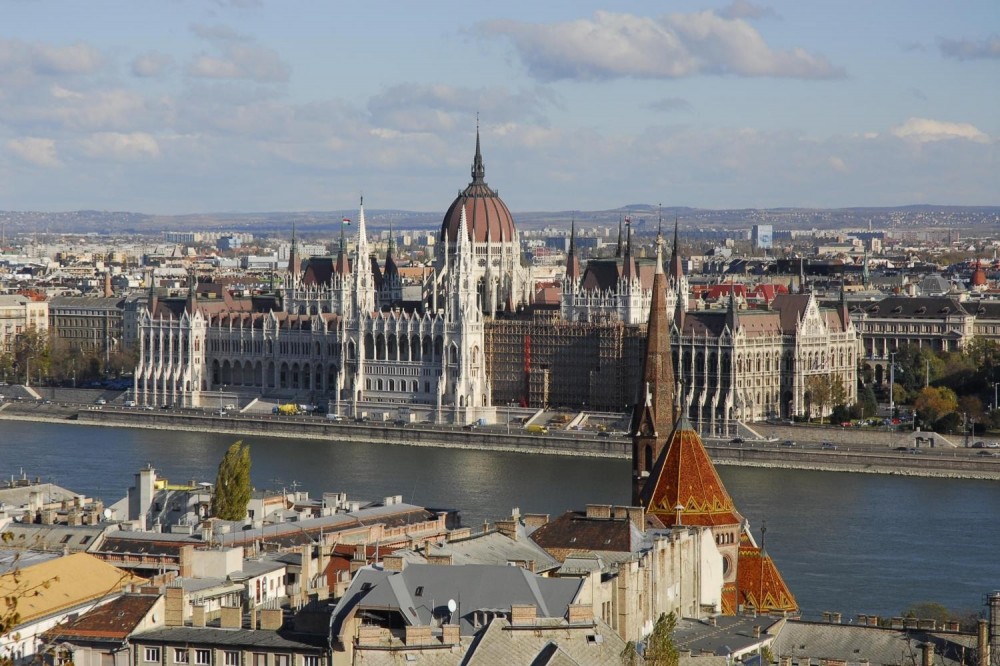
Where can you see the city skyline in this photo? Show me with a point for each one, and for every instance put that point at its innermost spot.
(253, 106)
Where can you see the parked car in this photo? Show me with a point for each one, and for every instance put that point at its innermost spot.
(736, 440)
(100, 401)
(129, 403)
(828, 446)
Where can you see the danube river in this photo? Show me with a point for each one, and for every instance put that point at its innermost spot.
(854, 543)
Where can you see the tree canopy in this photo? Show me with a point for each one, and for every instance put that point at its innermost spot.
(232, 484)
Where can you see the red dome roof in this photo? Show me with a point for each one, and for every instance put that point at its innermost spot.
(486, 213)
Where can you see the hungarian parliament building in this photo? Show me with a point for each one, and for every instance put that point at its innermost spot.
(342, 331)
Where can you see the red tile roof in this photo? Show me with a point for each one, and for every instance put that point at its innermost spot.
(685, 475)
(759, 583)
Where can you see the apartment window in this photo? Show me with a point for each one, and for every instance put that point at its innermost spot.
(151, 654)
(310, 660)
(232, 658)
(281, 660)
(202, 657)
(181, 656)
(259, 659)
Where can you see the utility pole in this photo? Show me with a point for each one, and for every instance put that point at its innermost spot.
(892, 381)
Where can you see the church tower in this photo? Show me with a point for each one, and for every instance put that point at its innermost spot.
(653, 416)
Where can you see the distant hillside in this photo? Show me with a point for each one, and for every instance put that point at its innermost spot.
(644, 219)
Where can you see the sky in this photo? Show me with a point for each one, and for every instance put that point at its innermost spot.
(184, 106)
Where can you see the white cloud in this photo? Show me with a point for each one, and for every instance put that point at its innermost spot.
(119, 146)
(837, 164)
(739, 9)
(442, 108)
(151, 65)
(923, 130)
(35, 150)
(678, 45)
(670, 104)
(238, 57)
(971, 49)
(23, 63)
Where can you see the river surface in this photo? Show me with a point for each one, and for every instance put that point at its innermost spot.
(854, 543)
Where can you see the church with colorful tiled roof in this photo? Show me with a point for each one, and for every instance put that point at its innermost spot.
(677, 483)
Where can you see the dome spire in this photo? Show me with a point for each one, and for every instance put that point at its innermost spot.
(478, 170)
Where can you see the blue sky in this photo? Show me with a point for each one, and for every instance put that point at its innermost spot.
(181, 106)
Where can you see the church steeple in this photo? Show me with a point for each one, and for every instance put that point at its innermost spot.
(572, 262)
(653, 415)
(618, 249)
(294, 260)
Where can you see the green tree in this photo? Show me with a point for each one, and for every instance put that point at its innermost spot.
(232, 484)
(820, 388)
(660, 647)
(629, 655)
(869, 404)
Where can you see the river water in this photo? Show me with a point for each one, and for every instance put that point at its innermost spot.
(854, 543)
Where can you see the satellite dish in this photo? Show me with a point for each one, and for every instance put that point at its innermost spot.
(107, 514)
(452, 606)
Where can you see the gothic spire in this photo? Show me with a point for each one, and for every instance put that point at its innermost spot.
(653, 415)
(478, 169)
(618, 251)
(572, 263)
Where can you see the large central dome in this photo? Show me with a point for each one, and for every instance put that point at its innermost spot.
(486, 213)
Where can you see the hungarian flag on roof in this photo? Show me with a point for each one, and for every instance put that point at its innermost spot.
(346, 220)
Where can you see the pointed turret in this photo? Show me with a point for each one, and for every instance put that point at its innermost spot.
(618, 248)
(629, 271)
(676, 269)
(343, 265)
(732, 312)
(802, 276)
(153, 302)
(572, 261)
(653, 415)
(191, 303)
(845, 314)
(294, 259)
(478, 168)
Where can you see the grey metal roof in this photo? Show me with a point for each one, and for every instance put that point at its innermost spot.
(551, 643)
(728, 634)
(421, 592)
(495, 548)
(234, 638)
(854, 643)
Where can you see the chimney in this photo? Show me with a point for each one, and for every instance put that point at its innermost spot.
(231, 617)
(173, 607)
(198, 615)
(305, 576)
(508, 528)
(756, 631)
(927, 650)
(523, 614)
(535, 519)
(581, 614)
(271, 619)
(253, 618)
(983, 643)
(450, 634)
(186, 555)
(599, 511)
(393, 563)
(637, 515)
